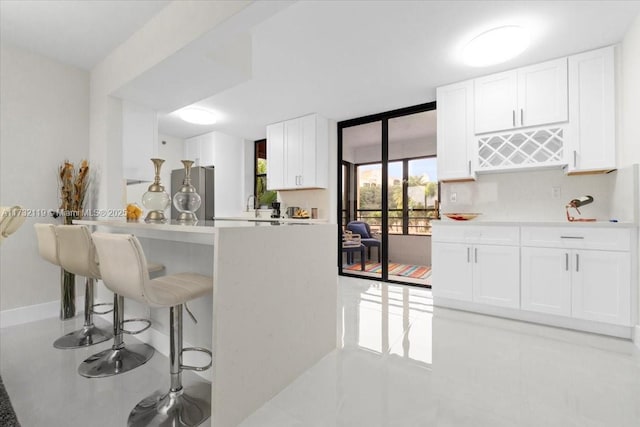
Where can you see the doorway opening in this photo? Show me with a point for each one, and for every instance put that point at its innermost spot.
(388, 195)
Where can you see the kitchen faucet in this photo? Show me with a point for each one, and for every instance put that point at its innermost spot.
(254, 204)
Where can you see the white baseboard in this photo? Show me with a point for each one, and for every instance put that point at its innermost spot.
(31, 313)
(636, 336)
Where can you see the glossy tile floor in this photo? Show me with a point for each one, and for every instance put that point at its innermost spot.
(400, 362)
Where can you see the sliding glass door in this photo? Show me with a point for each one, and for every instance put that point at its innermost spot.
(389, 193)
(361, 183)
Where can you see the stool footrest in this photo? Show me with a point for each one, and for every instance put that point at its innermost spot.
(147, 321)
(196, 368)
(100, 304)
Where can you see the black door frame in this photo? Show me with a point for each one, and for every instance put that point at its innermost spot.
(384, 119)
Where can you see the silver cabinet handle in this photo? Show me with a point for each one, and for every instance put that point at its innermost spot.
(572, 237)
(521, 117)
(575, 158)
(513, 117)
(577, 262)
(469, 166)
(566, 261)
(475, 254)
(468, 254)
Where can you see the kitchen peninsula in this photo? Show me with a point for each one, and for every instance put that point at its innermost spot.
(273, 311)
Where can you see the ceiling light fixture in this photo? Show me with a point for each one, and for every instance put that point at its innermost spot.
(198, 116)
(495, 46)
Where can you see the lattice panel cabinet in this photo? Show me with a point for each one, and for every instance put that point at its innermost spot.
(521, 149)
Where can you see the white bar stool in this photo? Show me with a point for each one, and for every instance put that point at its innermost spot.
(119, 358)
(48, 250)
(123, 266)
(77, 255)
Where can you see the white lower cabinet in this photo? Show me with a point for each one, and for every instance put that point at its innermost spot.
(602, 286)
(559, 276)
(496, 275)
(581, 273)
(483, 273)
(452, 271)
(546, 281)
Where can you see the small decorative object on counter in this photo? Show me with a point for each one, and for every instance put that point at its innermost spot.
(187, 200)
(575, 204)
(156, 200)
(133, 212)
(314, 213)
(458, 216)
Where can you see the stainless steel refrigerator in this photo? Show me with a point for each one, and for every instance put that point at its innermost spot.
(202, 178)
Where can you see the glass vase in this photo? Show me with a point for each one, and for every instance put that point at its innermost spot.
(67, 280)
(187, 200)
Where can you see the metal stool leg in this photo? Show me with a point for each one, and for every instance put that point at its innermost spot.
(118, 359)
(89, 334)
(178, 406)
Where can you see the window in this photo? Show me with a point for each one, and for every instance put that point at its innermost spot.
(413, 195)
(264, 197)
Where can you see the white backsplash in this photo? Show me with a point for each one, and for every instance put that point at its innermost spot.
(306, 199)
(529, 196)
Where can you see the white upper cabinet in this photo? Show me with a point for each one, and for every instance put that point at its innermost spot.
(275, 156)
(455, 132)
(298, 153)
(496, 100)
(529, 96)
(591, 132)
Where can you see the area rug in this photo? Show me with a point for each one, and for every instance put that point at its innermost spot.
(395, 269)
(7, 414)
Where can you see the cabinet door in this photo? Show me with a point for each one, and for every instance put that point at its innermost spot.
(455, 132)
(275, 156)
(451, 271)
(308, 151)
(192, 150)
(496, 99)
(292, 153)
(542, 93)
(602, 286)
(207, 150)
(546, 280)
(591, 133)
(496, 275)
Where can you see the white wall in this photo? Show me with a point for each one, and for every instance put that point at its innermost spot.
(44, 119)
(629, 124)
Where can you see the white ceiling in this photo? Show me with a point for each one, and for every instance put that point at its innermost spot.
(342, 59)
(353, 58)
(76, 32)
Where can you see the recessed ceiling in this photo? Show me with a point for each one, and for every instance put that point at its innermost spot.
(79, 33)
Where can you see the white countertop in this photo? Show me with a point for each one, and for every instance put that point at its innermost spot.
(603, 224)
(202, 227)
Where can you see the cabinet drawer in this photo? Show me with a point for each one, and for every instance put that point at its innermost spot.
(577, 237)
(477, 234)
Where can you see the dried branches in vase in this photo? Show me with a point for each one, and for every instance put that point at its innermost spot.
(73, 187)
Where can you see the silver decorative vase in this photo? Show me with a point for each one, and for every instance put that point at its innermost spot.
(156, 200)
(187, 200)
